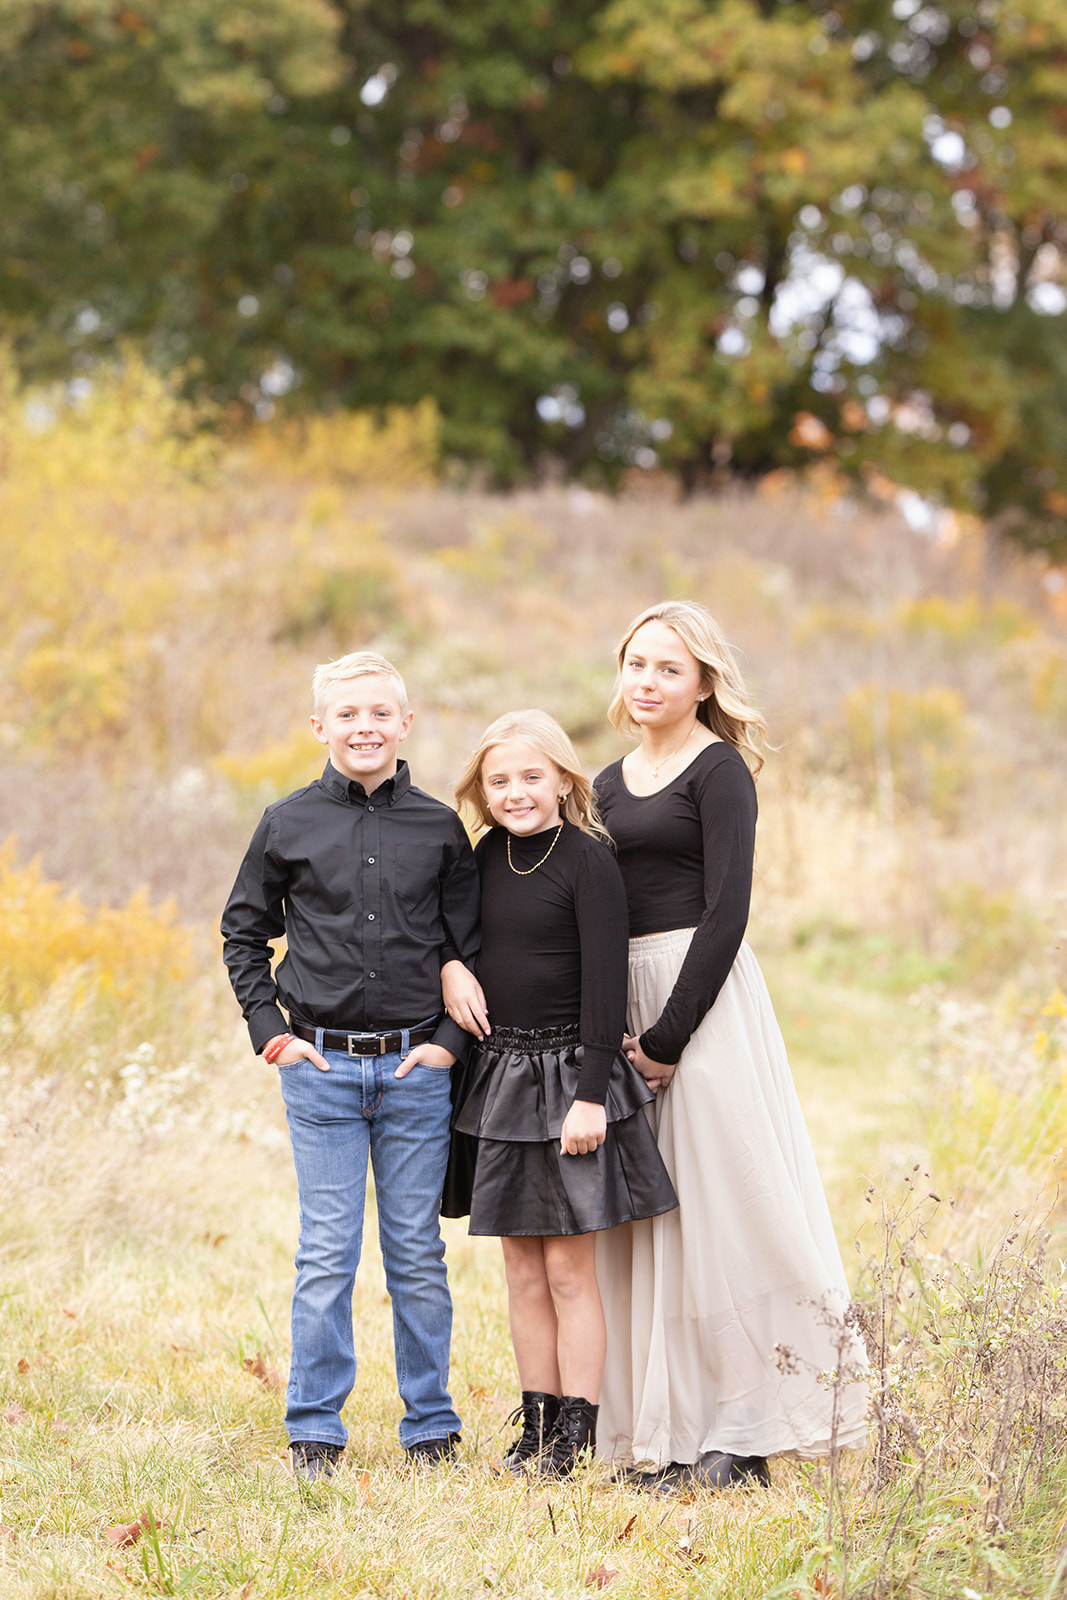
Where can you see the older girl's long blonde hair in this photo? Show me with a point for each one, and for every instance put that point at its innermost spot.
(727, 710)
(544, 733)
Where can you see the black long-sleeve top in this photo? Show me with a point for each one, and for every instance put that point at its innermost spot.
(686, 856)
(373, 895)
(554, 942)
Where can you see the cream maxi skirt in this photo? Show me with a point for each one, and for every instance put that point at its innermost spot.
(726, 1317)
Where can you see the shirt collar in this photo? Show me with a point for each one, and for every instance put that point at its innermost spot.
(347, 789)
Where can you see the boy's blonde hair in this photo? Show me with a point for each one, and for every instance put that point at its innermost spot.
(357, 664)
(544, 733)
(726, 711)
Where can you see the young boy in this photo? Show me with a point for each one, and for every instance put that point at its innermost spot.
(374, 887)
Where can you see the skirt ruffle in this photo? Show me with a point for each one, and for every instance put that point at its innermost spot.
(506, 1168)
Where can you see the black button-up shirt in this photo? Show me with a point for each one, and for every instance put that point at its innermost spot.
(373, 894)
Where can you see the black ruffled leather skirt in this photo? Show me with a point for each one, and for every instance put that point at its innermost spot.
(506, 1170)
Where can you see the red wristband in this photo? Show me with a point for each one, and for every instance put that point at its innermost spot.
(275, 1048)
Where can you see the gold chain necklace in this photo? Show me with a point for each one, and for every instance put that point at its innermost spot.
(655, 771)
(524, 872)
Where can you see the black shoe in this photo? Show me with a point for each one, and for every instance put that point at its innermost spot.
(431, 1452)
(313, 1459)
(717, 1469)
(573, 1436)
(537, 1414)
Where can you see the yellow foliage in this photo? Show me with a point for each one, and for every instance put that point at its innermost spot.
(46, 933)
(278, 769)
(511, 546)
(399, 449)
(1049, 687)
(923, 735)
(966, 619)
(127, 427)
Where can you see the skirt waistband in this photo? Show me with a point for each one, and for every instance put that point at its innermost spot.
(532, 1041)
(654, 944)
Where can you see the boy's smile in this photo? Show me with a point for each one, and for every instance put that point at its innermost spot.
(362, 725)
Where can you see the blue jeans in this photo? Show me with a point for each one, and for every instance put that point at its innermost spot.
(336, 1119)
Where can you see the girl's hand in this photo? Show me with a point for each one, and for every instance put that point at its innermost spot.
(464, 999)
(297, 1050)
(584, 1128)
(425, 1055)
(655, 1073)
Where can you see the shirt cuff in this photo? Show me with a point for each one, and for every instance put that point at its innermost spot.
(264, 1025)
(666, 1051)
(450, 1036)
(594, 1072)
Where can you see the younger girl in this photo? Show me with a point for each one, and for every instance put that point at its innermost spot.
(563, 1144)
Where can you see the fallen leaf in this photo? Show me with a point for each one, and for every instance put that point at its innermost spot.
(67, 1313)
(15, 1413)
(24, 1365)
(600, 1577)
(268, 1376)
(123, 1534)
(624, 1533)
(7, 1533)
(692, 1558)
(363, 1486)
(127, 1533)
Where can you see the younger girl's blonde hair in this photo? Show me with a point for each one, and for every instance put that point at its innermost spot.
(727, 710)
(544, 733)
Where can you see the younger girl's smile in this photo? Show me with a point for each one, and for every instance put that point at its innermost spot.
(523, 789)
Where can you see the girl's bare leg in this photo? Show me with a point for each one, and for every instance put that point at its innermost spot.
(570, 1271)
(532, 1313)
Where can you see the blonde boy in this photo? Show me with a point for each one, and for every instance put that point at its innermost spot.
(373, 884)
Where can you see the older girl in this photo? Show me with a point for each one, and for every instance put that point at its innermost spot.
(563, 1144)
(725, 1317)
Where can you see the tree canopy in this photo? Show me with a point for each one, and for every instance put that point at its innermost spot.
(728, 236)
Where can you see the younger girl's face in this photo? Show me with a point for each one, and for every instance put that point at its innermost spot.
(522, 787)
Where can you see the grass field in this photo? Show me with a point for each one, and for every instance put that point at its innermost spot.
(161, 618)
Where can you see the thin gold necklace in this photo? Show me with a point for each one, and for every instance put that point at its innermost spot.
(655, 771)
(524, 872)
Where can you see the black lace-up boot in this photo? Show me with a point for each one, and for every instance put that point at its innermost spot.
(537, 1416)
(574, 1436)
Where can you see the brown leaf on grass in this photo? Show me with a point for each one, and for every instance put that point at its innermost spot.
(23, 1366)
(127, 1533)
(268, 1376)
(600, 1577)
(66, 1313)
(692, 1558)
(123, 1534)
(16, 1412)
(624, 1533)
(363, 1488)
(7, 1533)
(478, 1392)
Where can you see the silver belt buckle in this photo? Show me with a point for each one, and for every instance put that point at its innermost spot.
(379, 1039)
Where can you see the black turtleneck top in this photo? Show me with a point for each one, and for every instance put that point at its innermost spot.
(554, 942)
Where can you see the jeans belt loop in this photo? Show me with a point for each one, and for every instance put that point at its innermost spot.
(319, 1032)
(405, 1042)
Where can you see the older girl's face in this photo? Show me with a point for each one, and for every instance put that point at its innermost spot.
(661, 679)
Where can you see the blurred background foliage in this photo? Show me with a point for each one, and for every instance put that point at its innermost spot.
(715, 239)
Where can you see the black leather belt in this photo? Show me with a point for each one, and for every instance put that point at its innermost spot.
(363, 1044)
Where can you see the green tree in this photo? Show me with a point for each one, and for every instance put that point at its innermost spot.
(729, 235)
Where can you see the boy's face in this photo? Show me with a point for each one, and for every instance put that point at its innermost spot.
(362, 725)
